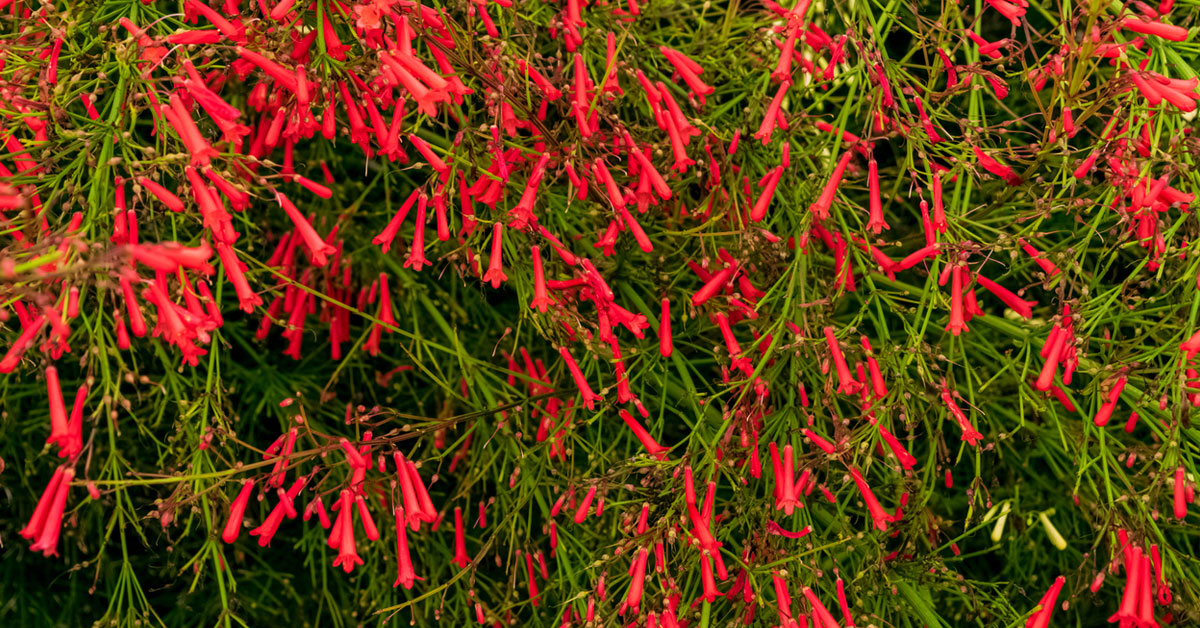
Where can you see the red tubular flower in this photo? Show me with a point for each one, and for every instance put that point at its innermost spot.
(59, 429)
(211, 101)
(211, 210)
(647, 168)
(191, 38)
(930, 130)
(787, 493)
(878, 514)
(637, 578)
(759, 211)
(137, 323)
(689, 70)
(996, 168)
(282, 9)
(906, 459)
(585, 505)
(783, 67)
(1158, 29)
(783, 601)
(1191, 346)
(1086, 165)
(611, 189)
(539, 79)
(877, 384)
(677, 130)
(1014, 302)
(523, 211)
(875, 221)
(234, 270)
(820, 442)
(431, 157)
(201, 151)
(846, 383)
(12, 357)
(956, 325)
(1041, 618)
(821, 206)
(284, 508)
(75, 426)
(385, 238)
(585, 391)
(939, 210)
(424, 510)
(709, 584)
(405, 574)
(162, 194)
(284, 77)
(951, 72)
(1014, 12)
(416, 255)
(237, 512)
(316, 246)
(368, 523)
(541, 298)
(1046, 265)
(37, 522)
(1180, 493)
(460, 542)
(665, 345)
(843, 270)
(1127, 613)
(970, 434)
(644, 437)
(533, 590)
(639, 235)
(712, 286)
(771, 117)
(495, 273)
(821, 615)
(841, 595)
(731, 343)
(580, 105)
(1106, 408)
(408, 493)
(1056, 343)
(1146, 596)
(344, 530)
(49, 520)
(916, 257)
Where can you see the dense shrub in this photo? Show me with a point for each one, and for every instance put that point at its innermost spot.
(628, 313)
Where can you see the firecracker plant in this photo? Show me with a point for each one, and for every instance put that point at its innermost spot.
(630, 313)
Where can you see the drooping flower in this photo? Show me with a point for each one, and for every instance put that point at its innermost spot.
(460, 543)
(59, 428)
(879, 516)
(875, 221)
(998, 169)
(237, 511)
(46, 523)
(665, 344)
(644, 437)
(820, 207)
(343, 529)
(316, 246)
(416, 255)
(1180, 492)
(585, 391)
(846, 382)
(970, 434)
(495, 272)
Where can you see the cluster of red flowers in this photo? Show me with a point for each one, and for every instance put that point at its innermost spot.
(401, 92)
